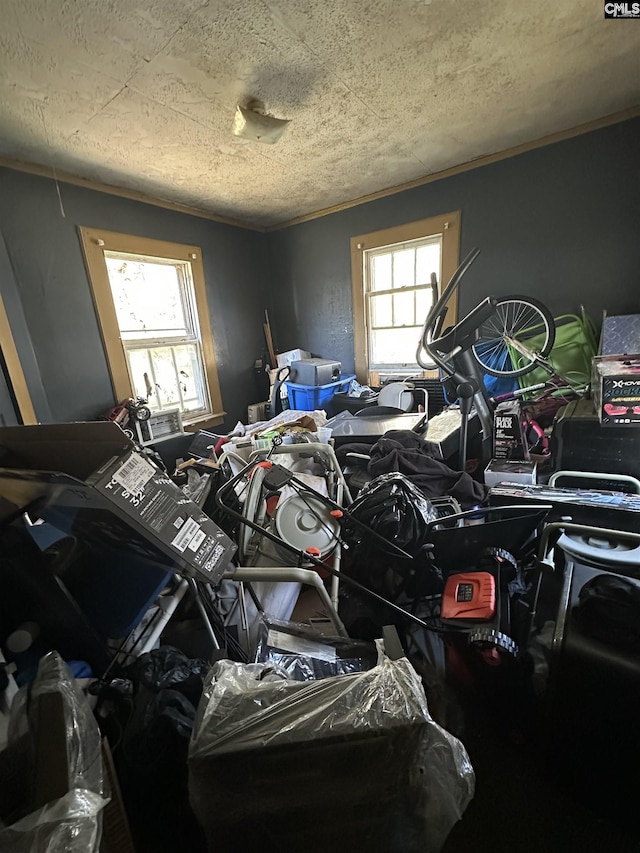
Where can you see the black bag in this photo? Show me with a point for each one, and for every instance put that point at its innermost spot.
(608, 610)
(396, 509)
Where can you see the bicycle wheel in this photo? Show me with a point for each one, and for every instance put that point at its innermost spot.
(509, 341)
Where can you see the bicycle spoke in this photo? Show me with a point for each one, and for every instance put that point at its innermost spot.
(513, 340)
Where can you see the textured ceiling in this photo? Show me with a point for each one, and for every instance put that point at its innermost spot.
(141, 93)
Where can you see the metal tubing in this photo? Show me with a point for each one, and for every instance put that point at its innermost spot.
(592, 475)
(205, 616)
(310, 447)
(571, 527)
(308, 557)
(289, 574)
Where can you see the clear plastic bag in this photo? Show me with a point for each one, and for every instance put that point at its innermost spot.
(73, 822)
(352, 762)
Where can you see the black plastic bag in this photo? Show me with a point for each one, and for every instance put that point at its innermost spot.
(151, 756)
(396, 510)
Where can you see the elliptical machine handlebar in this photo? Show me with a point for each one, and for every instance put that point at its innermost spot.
(434, 321)
(450, 352)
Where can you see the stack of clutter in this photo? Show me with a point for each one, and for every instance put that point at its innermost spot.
(359, 762)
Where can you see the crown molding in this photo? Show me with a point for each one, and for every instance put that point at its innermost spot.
(132, 195)
(476, 163)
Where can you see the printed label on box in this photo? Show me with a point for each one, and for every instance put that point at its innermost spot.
(187, 532)
(134, 474)
(508, 435)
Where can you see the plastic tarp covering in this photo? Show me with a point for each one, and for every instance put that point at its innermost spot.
(353, 762)
(72, 823)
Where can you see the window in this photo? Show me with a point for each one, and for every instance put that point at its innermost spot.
(152, 309)
(392, 291)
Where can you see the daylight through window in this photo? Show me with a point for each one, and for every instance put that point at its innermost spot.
(158, 322)
(151, 303)
(397, 274)
(398, 296)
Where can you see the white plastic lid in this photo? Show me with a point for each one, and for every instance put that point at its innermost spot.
(304, 521)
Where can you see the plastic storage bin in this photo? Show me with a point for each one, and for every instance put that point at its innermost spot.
(308, 398)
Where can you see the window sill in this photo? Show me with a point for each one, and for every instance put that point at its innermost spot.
(205, 422)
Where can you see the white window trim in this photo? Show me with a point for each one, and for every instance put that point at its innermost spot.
(94, 243)
(447, 225)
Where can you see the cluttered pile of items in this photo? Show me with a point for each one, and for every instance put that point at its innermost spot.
(208, 656)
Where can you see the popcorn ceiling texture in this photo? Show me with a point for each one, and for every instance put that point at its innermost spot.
(142, 95)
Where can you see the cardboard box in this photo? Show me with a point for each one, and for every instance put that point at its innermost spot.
(615, 388)
(284, 359)
(508, 432)
(620, 335)
(88, 480)
(160, 426)
(597, 507)
(510, 471)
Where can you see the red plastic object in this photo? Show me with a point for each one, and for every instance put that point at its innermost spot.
(470, 596)
(272, 503)
(220, 443)
(336, 513)
(312, 551)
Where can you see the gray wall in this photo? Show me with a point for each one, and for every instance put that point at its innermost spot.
(561, 223)
(50, 305)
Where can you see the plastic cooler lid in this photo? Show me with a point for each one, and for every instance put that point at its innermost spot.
(303, 521)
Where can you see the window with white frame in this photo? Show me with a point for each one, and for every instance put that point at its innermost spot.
(153, 313)
(398, 295)
(397, 273)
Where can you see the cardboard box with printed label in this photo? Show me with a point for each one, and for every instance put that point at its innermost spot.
(509, 471)
(615, 388)
(87, 479)
(508, 432)
(284, 359)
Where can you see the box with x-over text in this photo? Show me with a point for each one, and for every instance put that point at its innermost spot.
(615, 388)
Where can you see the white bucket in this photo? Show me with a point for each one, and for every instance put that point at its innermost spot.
(304, 521)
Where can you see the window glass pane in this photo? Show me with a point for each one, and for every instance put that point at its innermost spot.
(381, 314)
(148, 298)
(189, 377)
(394, 346)
(423, 304)
(167, 394)
(428, 261)
(403, 268)
(380, 272)
(140, 370)
(403, 309)
(174, 374)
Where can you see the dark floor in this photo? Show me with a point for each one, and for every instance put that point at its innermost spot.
(522, 805)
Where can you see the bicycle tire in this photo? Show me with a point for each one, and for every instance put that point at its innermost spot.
(520, 319)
